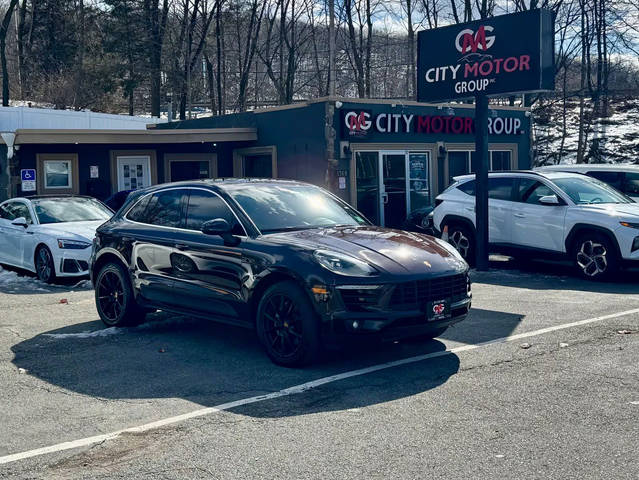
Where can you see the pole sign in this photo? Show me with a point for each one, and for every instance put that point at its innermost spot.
(501, 55)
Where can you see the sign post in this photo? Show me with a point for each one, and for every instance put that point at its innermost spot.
(494, 56)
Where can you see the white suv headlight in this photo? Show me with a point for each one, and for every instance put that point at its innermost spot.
(343, 264)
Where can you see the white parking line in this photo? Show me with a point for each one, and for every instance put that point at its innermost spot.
(83, 442)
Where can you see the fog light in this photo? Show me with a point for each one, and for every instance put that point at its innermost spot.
(355, 325)
(635, 244)
(320, 292)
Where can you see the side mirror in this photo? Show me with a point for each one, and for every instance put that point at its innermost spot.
(549, 200)
(20, 222)
(220, 227)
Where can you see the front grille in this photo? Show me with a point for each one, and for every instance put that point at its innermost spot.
(422, 291)
(359, 299)
(71, 265)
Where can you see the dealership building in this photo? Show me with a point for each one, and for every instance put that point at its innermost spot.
(386, 158)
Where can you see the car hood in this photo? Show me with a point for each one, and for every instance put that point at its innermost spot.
(392, 251)
(71, 230)
(621, 210)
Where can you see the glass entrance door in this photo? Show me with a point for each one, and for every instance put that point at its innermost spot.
(390, 184)
(393, 196)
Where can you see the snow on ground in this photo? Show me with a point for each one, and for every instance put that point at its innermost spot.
(15, 282)
(610, 140)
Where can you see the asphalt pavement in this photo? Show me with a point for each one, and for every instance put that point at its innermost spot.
(541, 381)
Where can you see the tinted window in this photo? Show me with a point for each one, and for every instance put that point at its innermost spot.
(457, 164)
(611, 178)
(500, 160)
(530, 191)
(258, 166)
(204, 206)
(500, 188)
(163, 209)
(631, 184)
(13, 210)
(468, 188)
(277, 208)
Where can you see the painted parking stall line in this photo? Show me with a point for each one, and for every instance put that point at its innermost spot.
(87, 441)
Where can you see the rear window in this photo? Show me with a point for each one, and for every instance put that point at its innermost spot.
(611, 178)
(468, 188)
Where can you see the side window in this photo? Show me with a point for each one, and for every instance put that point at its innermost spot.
(163, 209)
(468, 188)
(6, 211)
(21, 210)
(631, 184)
(204, 206)
(530, 191)
(611, 178)
(500, 188)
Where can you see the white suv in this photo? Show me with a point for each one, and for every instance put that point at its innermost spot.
(554, 214)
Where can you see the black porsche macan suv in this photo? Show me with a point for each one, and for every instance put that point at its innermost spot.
(286, 258)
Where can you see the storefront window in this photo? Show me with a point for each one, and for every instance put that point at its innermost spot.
(500, 160)
(465, 162)
(419, 187)
(57, 174)
(189, 170)
(367, 175)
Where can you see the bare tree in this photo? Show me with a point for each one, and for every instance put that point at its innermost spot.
(156, 18)
(3, 51)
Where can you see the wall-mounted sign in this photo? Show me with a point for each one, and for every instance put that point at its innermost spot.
(28, 178)
(359, 122)
(94, 171)
(500, 55)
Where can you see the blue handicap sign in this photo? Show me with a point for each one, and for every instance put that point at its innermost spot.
(28, 174)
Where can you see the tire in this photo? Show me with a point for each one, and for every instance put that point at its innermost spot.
(114, 297)
(594, 256)
(462, 238)
(45, 269)
(287, 325)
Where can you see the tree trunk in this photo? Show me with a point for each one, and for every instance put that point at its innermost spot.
(3, 52)
(210, 78)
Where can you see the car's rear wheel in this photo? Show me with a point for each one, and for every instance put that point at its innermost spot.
(45, 268)
(594, 256)
(462, 238)
(114, 297)
(287, 325)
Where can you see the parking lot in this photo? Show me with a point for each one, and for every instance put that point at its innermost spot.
(541, 381)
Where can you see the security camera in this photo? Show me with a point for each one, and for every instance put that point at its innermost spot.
(338, 104)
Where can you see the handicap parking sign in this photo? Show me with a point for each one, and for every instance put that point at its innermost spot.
(28, 177)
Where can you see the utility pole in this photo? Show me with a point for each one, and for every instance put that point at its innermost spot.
(481, 180)
(331, 48)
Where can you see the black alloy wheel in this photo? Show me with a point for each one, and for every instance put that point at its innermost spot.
(594, 256)
(114, 297)
(463, 239)
(287, 325)
(44, 265)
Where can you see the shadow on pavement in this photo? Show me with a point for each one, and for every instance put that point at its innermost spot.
(203, 362)
(545, 275)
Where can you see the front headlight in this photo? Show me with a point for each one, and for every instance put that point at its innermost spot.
(73, 244)
(343, 264)
(630, 224)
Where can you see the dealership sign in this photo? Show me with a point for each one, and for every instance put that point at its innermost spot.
(500, 55)
(358, 123)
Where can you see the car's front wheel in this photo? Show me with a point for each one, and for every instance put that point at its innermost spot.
(44, 265)
(114, 297)
(287, 325)
(594, 256)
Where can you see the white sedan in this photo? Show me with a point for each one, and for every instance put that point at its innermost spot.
(50, 235)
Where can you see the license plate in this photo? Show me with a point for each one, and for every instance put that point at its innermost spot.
(438, 310)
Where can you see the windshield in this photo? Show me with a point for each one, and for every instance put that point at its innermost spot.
(279, 208)
(586, 191)
(59, 210)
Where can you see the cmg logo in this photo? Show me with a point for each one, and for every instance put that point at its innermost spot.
(468, 41)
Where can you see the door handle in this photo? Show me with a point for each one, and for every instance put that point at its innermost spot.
(470, 209)
(519, 215)
(385, 198)
(181, 246)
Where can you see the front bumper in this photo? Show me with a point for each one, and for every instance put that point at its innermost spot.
(389, 312)
(72, 263)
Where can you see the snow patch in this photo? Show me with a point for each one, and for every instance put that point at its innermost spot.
(88, 334)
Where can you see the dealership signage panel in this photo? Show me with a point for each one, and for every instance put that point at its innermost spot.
(358, 123)
(500, 55)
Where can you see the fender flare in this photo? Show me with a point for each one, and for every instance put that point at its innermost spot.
(448, 219)
(579, 228)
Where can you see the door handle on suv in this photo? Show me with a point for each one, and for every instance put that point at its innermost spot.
(519, 215)
(470, 209)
